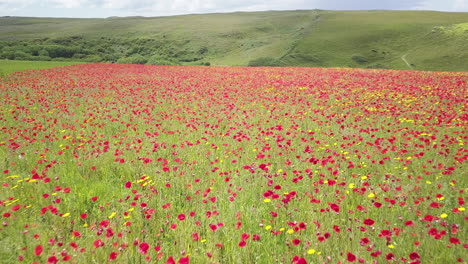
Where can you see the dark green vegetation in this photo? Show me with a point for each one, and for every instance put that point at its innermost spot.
(420, 40)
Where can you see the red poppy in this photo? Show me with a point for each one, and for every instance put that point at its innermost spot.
(364, 241)
(368, 222)
(143, 248)
(298, 260)
(170, 260)
(184, 260)
(351, 257)
(181, 217)
(112, 256)
(38, 250)
(128, 185)
(98, 243)
(296, 242)
(52, 260)
(335, 207)
(15, 207)
(390, 256)
(414, 255)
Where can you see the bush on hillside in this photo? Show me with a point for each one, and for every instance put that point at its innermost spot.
(57, 51)
(265, 61)
(134, 59)
(359, 59)
(21, 55)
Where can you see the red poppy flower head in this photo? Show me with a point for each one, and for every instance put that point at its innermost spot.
(351, 257)
(368, 222)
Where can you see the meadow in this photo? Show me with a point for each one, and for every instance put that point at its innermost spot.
(169, 164)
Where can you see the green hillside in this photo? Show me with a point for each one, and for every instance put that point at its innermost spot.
(420, 40)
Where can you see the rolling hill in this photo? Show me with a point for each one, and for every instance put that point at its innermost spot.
(420, 40)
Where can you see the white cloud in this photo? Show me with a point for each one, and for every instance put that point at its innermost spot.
(448, 5)
(67, 3)
(461, 5)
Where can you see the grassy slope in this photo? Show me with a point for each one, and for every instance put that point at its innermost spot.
(383, 37)
(298, 38)
(9, 66)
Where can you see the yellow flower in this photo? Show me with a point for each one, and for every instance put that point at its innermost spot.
(371, 195)
(66, 215)
(311, 251)
(267, 200)
(268, 227)
(290, 231)
(443, 215)
(112, 215)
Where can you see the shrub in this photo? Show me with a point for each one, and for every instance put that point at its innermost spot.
(57, 51)
(21, 55)
(265, 61)
(158, 60)
(359, 59)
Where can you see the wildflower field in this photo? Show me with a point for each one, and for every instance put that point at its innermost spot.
(167, 164)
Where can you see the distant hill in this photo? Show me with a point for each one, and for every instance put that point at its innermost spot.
(420, 40)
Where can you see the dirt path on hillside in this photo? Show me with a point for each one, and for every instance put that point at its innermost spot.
(407, 63)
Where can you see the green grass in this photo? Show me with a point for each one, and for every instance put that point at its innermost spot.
(431, 40)
(9, 66)
(383, 37)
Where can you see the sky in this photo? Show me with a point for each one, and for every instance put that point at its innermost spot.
(107, 8)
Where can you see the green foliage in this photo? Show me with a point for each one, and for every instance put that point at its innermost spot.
(43, 52)
(57, 51)
(266, 62)
(21, 55)
(359, 59)
(134, 59)
(93, 58)
(8, 53)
